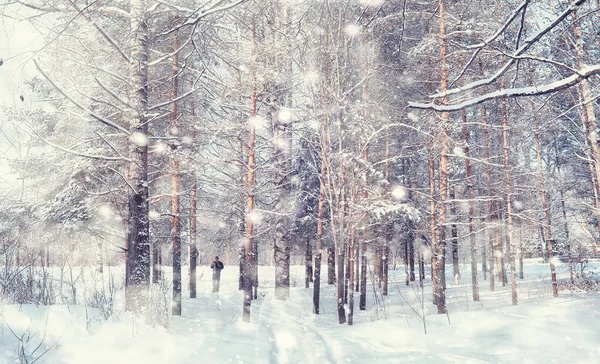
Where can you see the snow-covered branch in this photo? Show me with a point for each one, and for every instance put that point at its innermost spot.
(105, 35)
(162, 104)
(96, 116)
(195, 16)
(514, 92)
(524, 48)
(71, 151)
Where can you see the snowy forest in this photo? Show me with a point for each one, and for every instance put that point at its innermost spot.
(384, 180)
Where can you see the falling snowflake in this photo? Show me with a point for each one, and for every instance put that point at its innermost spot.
(258, 121)
(412, 117)
(255, 216)
(159, 147)
(105, 211)
(459, 152)
(372, 3)
(285, 115)
(352, 30)
(139, 139)
(399, 192)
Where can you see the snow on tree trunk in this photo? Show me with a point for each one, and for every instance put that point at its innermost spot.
(454, 235)
(351, 254)
(509, 213)
(340, 287)
(443, 167)
(469, 178)
(192, 237)
(432, 218)
(488, 182)
(175, 181)
(138, 245)
(307, 264)
(564, 213)
(251, 165)
(321, 215)
(331, 279)
(545, 207)
(281, 155)
(589, 117)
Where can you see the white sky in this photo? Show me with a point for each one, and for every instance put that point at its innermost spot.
(17, 42)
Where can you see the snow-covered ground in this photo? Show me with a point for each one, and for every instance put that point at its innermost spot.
(541, 329)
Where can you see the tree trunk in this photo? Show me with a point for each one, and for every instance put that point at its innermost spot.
(432, 220)
(564, 214)
(589, 108)
(255, 264)
(249, 248)
(443, 168)
(346, 273)
(454, 236)
(281, 147)
(378, 266)
(385, 269)
(351, 277)
(488, 181)
(242, 213)
(321, 216)
(307, 264)
(138, 245)
(340, 286)
(331, 265)
(192, 239)
(175, 181)
(509, 214)
(363, 279)
(241, 259)
(545, 207)
(521, 276)
(421, 254)
(411, 251)
(405, 248)
(469, 177)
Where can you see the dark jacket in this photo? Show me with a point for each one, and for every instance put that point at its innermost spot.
(217, 267)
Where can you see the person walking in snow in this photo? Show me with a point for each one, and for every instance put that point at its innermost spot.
(216, 266)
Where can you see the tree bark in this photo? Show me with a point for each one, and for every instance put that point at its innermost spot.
(321, 215)
(307, 264)
(331, 265)
(564, 214)
(175, 181)
(193, 230)
(454, 235)
(509, 214)
(488, 181)
(282, 145)
(469, 177)
(351, 256)
(545, 207)
(443, 167)
(340, 287)
(589, 109)
(138, 245)
(249, 248)
(432, 220)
